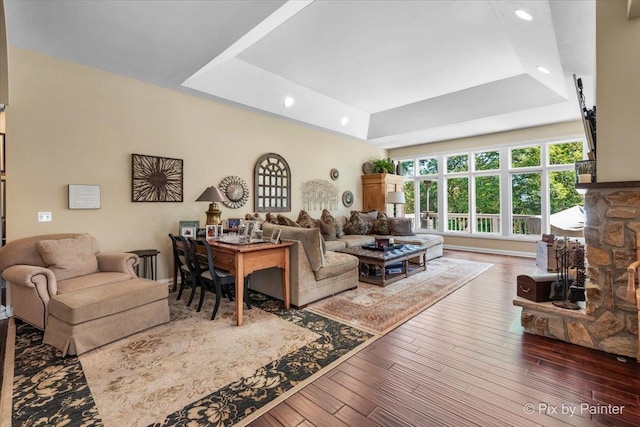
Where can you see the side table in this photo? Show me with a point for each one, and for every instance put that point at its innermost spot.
(148, 260)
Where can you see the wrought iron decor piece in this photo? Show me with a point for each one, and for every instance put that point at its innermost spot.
(236, 191)
(272, 184)
(319, 194)
(156, 179)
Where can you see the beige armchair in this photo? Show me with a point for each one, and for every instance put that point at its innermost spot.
(81, 298)
(32, 281)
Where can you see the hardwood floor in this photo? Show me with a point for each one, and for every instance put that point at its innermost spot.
(464, 361)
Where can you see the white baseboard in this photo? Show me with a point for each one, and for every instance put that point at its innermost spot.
(490, 251)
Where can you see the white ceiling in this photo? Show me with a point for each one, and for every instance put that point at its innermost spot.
(403, 72)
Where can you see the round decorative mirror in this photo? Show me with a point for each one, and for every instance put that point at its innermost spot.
(236, 191)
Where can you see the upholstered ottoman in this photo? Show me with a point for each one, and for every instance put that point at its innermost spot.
(84, 319)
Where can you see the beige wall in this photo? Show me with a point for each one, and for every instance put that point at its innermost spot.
(70, 124)
(617, 89)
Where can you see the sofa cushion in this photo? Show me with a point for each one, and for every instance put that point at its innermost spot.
(70, 257)
(310, 239)
(328, 230)
(94, 279)
(100, 301)
(428, 240)
(400, 227)
(334, 245)
(353, 240)
(336, 264)
(329, 219)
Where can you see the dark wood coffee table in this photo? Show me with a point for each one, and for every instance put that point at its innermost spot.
(382, 267)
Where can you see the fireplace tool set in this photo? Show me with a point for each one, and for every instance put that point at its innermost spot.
(570, 286)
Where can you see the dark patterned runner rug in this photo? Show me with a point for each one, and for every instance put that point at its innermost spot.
(139, 380)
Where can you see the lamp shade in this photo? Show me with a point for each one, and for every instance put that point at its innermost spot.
(395, 197)
(212, 194)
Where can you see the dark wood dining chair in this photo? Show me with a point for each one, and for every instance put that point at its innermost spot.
(222, 280)
(179, 259)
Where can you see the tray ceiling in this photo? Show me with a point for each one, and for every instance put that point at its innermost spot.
(401, 72)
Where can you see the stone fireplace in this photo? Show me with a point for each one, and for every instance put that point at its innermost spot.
(609, 319)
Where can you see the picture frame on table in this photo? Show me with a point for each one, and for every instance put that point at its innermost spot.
(233, 223)
(214, 231)
(188, 232)
(275, 237)
(249, 227)
(192, 224)
(201, 233)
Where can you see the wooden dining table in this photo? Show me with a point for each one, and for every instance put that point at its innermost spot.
(244, 259)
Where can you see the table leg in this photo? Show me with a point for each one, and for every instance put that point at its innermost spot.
(239, 287)
(285, 279)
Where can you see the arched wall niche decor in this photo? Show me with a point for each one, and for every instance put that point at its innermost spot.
(272, 184)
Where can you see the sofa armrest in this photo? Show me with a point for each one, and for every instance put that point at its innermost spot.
(40, 278)
(121, 262)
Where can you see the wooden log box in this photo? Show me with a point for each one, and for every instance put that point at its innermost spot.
(535, 287)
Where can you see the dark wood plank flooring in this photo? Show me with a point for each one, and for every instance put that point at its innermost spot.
(464, 361)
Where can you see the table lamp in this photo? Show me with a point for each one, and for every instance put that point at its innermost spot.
(213, 195)
(395, 198)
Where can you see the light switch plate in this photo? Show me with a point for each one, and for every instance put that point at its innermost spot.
(44, 216)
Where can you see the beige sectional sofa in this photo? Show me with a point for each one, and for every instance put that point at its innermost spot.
(316, 270)
(82, 298)
(433, 242)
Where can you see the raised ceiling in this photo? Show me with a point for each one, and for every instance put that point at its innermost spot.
(402, 72)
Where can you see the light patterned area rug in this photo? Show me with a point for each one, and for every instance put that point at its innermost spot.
(189, 372)
(379, 309)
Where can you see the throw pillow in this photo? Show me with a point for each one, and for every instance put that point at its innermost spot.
(283, 220)
(357, 224)
(369, 215)
(68, 258)
(328, 230)
(254, 217)
(400, 227)
(327, 218)
(271, 219)
(305, 221)
(381, 226)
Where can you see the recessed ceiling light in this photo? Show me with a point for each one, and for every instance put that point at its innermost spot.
(524, 15)
(543, 70)
(288, 102)
(344, 121)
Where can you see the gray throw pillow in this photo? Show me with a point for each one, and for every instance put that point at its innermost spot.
(401, 227)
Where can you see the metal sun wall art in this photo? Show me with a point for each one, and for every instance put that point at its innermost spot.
(156, 179)
(319, 194)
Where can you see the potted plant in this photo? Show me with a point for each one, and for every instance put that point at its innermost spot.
(382, 166)
(585, 171)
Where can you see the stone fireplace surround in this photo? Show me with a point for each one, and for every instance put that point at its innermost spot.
(608, 321)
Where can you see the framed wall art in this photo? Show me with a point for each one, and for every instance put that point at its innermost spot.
(156, 179)
(84, 196)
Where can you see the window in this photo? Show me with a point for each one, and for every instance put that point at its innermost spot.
(508, 191)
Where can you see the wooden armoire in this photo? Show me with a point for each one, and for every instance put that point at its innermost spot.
(375, 187)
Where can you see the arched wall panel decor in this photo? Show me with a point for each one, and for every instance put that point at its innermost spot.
(156, 179)
(272, 184)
